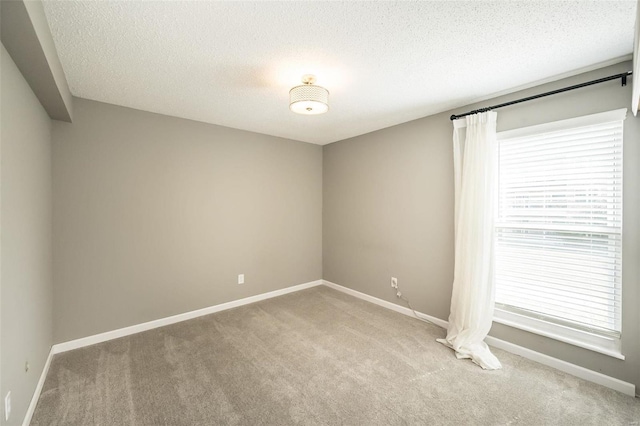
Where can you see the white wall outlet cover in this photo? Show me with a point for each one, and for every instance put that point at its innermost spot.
(7, 406)
(394, 282)
(241, 279)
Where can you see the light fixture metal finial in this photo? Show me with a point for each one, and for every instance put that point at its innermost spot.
(309, 79)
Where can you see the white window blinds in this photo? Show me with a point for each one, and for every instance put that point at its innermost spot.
(559, 226)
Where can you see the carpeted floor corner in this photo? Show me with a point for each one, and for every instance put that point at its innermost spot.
(314, 357)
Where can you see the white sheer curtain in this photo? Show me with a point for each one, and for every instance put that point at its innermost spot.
(472, 301)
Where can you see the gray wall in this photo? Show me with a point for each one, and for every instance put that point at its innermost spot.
(156, 216)
(388, 211)
(25, 215)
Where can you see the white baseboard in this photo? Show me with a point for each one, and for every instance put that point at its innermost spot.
(566, 367)
(126, 331)
(385, 304)
(36, 394)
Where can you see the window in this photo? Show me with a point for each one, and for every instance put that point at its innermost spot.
(558, 238)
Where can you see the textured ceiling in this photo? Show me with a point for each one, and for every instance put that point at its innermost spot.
(384, 63)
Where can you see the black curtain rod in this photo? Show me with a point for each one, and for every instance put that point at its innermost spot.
(622, 76)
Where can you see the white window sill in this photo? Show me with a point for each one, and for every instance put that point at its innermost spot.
(605, 345)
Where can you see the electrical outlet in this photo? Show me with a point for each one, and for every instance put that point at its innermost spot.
(394, 282)
(241, 279)
(7, 406)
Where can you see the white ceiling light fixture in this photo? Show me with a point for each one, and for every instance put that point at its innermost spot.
(309, 99)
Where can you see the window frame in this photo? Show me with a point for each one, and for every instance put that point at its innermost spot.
(598, 342)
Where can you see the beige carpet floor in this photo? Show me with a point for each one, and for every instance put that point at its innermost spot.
(315, 357)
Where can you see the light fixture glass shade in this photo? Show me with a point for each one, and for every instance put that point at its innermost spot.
(309, 99)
